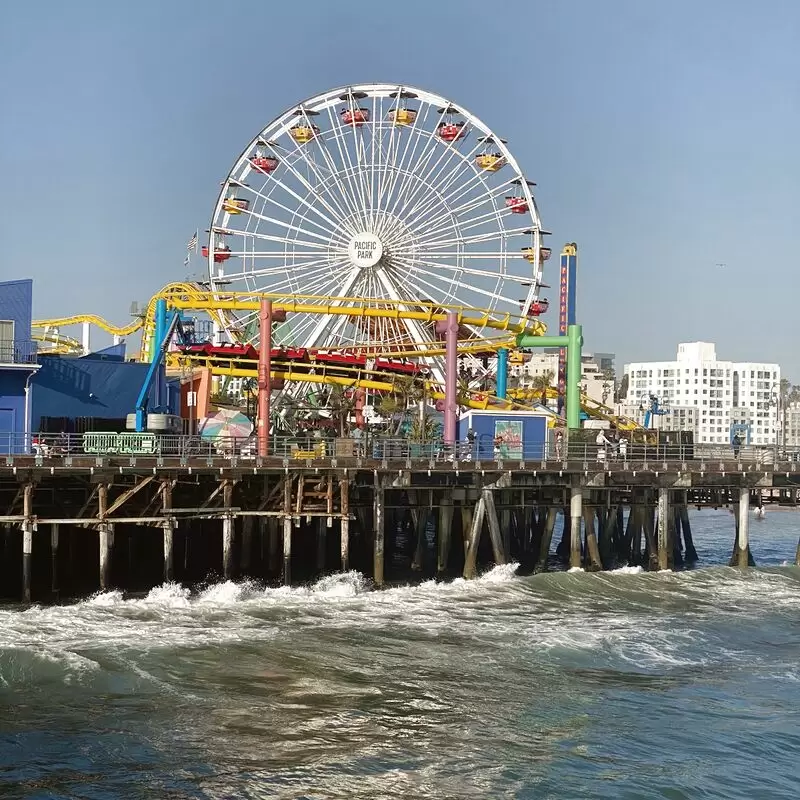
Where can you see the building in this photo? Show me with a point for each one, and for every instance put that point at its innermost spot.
(18, 362)
(54, 394)
(710, 397)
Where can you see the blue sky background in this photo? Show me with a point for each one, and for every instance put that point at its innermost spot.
(663, 137)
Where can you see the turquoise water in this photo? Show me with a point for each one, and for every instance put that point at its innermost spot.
(564, 685)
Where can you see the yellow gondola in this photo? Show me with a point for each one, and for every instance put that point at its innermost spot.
(490, 162)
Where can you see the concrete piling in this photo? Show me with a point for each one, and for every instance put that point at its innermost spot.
(106, 537)
(168, 527)
(741, 554)
(287, 551)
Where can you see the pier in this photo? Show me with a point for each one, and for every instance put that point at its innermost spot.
(76, 523)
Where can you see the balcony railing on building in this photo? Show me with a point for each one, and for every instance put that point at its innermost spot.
(19, 352)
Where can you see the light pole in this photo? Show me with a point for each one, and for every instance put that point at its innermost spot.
(776, 400)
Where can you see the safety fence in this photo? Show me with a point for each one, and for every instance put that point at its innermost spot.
(52, 447)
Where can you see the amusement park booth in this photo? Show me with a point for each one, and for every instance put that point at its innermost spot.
(515, 434)
(18, 362)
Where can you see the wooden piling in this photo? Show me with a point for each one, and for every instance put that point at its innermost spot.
(663, 529)
(227, 531)
(287, 531)
(445, 532)
(496, 536)
(689, 552)
(547, 538)
(593, 561)
(322, 542)
(287, 551)
(575, 515)
(247, 545)
(379, 515)
(27, 542)
(797, 555)
(344, 491)
(54, 532)
(471, 557)
(168, 527)
(106, 534)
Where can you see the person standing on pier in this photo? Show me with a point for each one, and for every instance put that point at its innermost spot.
(623, 448)
(737, 444)
(602, 442)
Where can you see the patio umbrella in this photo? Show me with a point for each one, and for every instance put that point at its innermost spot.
(226, 423)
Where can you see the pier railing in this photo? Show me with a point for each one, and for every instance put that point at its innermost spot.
(62, 449)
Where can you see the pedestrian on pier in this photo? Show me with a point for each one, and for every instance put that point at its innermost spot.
(602, 442)
(623, 448)
(559, 445)
(737, 444)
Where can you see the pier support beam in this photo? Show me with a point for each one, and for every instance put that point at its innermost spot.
(664, 545)
(445, 533)
(168, 526)
(575, 517)
(27, 542)
(741, 551)
(471, 557)
(379, 522)
(547, 538)
(322, 542)
(227, 531)
(106, 535)
(494, 527)
(593, 561)
(344, 491)
(689, 552)
(247, 545)
(797, 555)
(287, 530)
(54, 531)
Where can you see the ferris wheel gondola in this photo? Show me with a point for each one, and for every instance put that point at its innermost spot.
(385, 193)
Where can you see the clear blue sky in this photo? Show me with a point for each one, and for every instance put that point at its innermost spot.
(663, 137)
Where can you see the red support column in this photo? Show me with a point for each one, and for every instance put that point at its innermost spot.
(264, 382)
(450, 330)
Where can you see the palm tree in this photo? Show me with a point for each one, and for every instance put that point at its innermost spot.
(542, 383)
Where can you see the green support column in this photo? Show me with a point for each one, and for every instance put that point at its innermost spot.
(574, 342)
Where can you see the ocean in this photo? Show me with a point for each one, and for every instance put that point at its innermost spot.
(560, 685)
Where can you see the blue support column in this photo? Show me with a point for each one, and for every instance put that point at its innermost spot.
(502, 373)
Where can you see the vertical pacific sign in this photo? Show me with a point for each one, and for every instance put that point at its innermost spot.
(566, 312)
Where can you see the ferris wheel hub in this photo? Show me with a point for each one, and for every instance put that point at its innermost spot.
(365, 250)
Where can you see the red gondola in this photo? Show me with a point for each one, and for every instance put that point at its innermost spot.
(517, 205)
(221, 253)
(264, 163)
(355, 116)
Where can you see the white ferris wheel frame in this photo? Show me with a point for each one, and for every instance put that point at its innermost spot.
(326, 218)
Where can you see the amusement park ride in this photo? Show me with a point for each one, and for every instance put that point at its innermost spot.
(368, 216)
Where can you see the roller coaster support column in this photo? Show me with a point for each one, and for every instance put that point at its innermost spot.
(264, 383)
(449, 328)
(502, 373)
(573, 341)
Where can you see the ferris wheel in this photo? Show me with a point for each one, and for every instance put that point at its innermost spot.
(380, 195)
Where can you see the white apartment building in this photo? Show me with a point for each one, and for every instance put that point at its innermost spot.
(707, 396)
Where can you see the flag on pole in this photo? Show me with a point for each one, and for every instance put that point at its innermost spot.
(191, 246)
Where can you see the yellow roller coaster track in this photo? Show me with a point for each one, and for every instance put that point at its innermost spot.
(193, 297)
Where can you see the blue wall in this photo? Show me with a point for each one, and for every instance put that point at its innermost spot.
(16, 303)
(534, 433)
(89, 387)
(12, 407)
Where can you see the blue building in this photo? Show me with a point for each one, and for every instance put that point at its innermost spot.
(50, 393)
(18, 362)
